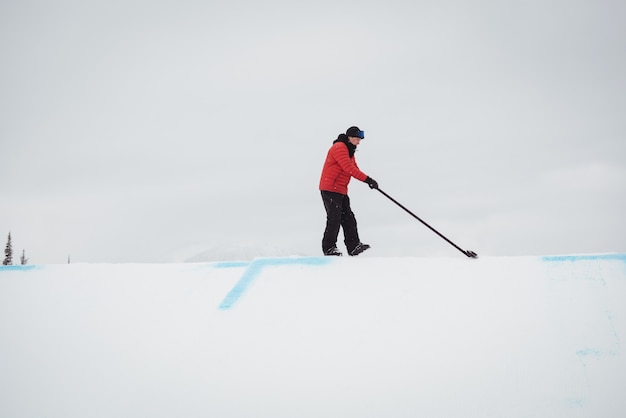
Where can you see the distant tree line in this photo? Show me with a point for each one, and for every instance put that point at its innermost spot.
(8, 254)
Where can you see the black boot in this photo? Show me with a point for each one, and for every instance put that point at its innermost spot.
(333, 251)
(360, 247)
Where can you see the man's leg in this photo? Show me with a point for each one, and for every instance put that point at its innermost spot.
(348, 223)
(333, 204)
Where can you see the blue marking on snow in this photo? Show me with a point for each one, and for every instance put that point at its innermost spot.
(256, 267)
(231, 264)
(18, 268)
(589, 352)
(584, 257)
(575, 402)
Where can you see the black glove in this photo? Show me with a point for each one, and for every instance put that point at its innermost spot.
(372, 183)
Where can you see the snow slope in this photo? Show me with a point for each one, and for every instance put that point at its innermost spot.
(316, 337)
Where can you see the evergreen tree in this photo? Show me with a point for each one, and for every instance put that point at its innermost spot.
(23, 259)
(8, 253)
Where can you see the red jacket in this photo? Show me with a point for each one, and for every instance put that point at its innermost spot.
(339, 168)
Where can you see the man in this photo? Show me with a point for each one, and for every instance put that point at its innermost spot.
(339, 168)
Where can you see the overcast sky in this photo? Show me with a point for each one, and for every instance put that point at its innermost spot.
(150, 131)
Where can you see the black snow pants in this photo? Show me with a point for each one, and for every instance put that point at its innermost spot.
(339, 214)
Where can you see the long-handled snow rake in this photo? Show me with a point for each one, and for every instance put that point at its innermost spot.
(469, 253)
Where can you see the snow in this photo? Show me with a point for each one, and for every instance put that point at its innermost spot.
(316, 337)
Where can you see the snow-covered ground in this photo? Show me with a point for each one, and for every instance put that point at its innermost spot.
(316, 337)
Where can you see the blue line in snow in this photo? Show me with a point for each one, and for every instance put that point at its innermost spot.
(230, 264)
(572, 258)
(18, 268)
(256, 267)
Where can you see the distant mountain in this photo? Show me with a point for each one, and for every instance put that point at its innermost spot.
(244, 251)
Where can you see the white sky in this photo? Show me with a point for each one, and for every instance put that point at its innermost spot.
(150, 131)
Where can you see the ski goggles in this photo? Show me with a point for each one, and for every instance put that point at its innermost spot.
(360, 134)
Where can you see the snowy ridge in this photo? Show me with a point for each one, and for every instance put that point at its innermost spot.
(239, 251)
(317, 336)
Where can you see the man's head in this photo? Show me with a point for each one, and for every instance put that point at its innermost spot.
(355, 132)
(355, 135)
